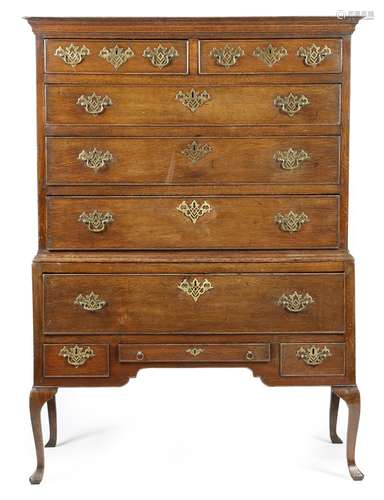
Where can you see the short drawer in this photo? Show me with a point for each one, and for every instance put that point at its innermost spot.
(186, 105)
(311, 360)
(116, 56)
(197, 161)
(213, 222)
(270, 56)
(194, 353)
(76, 360)
(198, 304)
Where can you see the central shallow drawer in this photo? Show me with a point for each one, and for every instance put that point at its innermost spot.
(195, 353)
(213, 222)
(210, 303)
(203, 160)
(184, 105)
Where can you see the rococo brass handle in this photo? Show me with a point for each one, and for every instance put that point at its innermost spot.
(76, 355)
(270, 55)
(117, 56)
(195, 351)
(314, 55)
(72, 54)
(195, 151)
(95, 159)
(193, 99)
(313, 355)
(140, 355)
(90, 302)
(193, 211)
(94, 104)
(291, 104)
(295, 302)
(291, 222)
(96, 221)
(160, 56)
(195, 288)
(227, 56)
(291, 159)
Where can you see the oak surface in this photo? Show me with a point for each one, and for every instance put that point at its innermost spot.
(137, 264)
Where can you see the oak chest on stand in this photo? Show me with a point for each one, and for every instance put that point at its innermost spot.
(193, 180)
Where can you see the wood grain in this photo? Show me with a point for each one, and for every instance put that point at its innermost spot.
(138, 64)
(153, 304)
(137, 263)
(249, 64)
(291, 365)
(196, 353)
(155, 223)
(55, 365)
(161, 161)
(157, 105)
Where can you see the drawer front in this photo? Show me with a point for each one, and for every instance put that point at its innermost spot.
(270, 56)
(194, 353)
(311, 360)
(76, 360)
(203, 160)
(184, 105)
(212, 303)
(117, 56)
(249, 222)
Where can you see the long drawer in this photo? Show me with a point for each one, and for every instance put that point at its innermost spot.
(214, 222)
(184, 105)
(203, 160)
(198, 304)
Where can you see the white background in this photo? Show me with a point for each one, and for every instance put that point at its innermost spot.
(187, 434)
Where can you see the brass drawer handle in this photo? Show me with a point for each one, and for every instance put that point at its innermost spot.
(94, 104)
(72, 54)
(295, 302)
(195, 351)
(95, 159)
(90, 302)
(270, 55)
(314, 55)
(195, 288)
(291, 104)
(76, 355)
(292, 221)
(117, 56)
(193, 211)
(96, 221)
(226, 56)
(313, 356)
(249, 355)
(160, 56)
(193, 99)
(195, 151)
(140, 356)
(291, 159)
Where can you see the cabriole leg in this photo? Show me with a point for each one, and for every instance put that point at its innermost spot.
(51, 405)
(39, 396)
(333, 412)
(351, 395)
